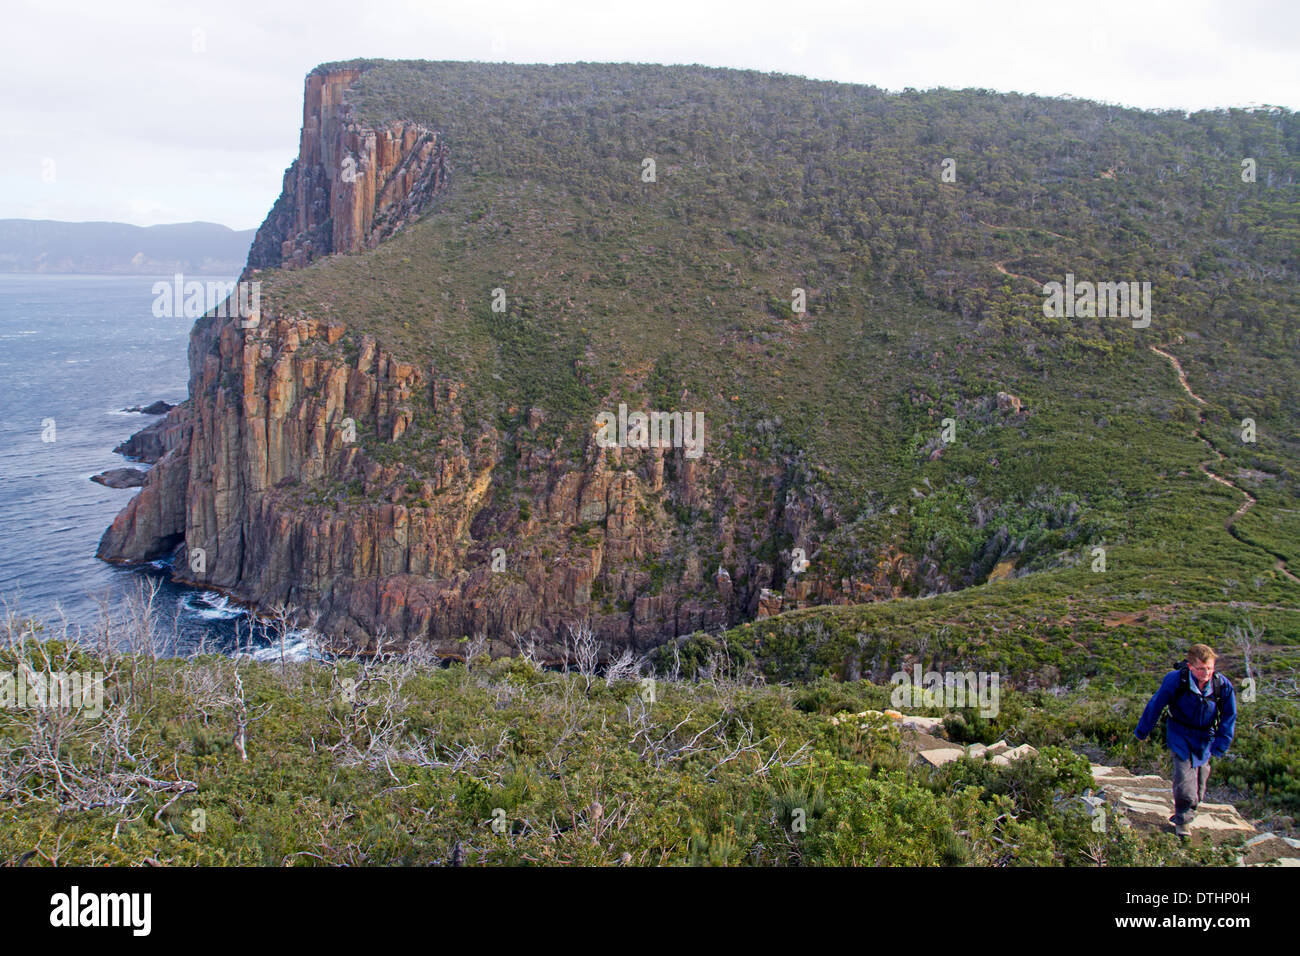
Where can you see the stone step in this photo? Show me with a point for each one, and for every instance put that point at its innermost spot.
(1270, 849)
(1144, 801)
(1147, 802)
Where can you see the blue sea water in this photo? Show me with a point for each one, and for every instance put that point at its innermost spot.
(78, 350)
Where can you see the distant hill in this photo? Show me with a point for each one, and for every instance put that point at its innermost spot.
(42, 245)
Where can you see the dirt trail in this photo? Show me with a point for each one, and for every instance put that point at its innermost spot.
(1182, 376)
(1251, 500)
(1001, 267)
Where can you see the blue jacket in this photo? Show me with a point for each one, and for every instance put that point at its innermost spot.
(1192, 733)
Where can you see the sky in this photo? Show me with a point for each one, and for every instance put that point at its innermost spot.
(149, 112)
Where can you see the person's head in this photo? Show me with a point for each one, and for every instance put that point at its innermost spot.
(1200, 661)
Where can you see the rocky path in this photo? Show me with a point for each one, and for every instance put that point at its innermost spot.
(1250, 502)
(1147, 803)
(1143, 801)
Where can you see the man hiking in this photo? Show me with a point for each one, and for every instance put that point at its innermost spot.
(1202, 717)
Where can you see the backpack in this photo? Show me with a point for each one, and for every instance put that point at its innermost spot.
(1217, 682)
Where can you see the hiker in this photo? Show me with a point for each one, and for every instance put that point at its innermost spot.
(1202, 716)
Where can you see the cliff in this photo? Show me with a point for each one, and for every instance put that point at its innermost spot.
(270, 419)
(351, 185)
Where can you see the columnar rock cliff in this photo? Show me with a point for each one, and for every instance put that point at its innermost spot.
(278, 411)
(273, 412)
(351, 186)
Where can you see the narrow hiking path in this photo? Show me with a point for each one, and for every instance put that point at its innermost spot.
(1143, 802)
(1146, 802)
(1250, 502)
(1162, 611)
(1002, 267)
(1182, 376)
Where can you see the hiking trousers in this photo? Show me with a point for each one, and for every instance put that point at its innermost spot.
(1189, 788)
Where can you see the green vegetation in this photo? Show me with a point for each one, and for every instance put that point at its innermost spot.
(221, 761)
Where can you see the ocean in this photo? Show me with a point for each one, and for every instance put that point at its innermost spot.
(74, 352)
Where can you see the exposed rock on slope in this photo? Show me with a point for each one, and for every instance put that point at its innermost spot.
(351, 186)
(271, 415)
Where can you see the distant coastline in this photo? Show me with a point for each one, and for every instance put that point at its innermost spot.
(47, 247)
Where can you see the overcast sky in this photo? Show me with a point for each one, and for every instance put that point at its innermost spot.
(150, 112)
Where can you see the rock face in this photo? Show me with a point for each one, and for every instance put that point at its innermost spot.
(278, 412)
(150, 444)
(351, 186)
(279, 480)
(769, 603)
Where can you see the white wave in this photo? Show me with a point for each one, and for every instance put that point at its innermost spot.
(299, 645)
(211, 606)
